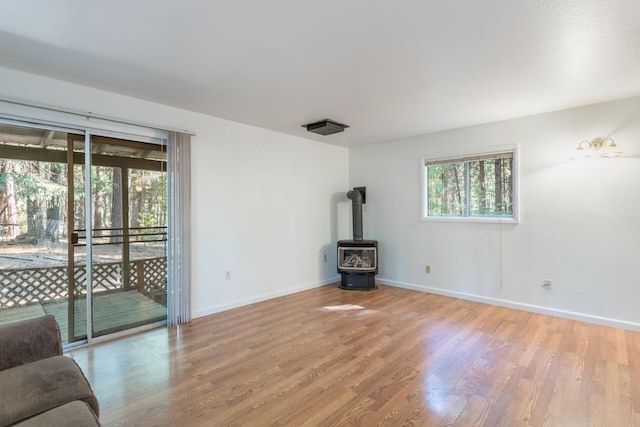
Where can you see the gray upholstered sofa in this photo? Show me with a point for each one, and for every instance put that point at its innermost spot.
(38, 385)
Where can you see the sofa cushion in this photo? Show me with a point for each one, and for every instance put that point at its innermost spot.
(29, 340)
(36, 387)
(72, 414)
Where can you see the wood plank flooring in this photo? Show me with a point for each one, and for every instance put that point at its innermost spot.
(393, 357)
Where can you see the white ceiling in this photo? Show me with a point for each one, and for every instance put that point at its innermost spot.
(389, 69)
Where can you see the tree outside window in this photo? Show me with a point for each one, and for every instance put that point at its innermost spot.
(479, 186)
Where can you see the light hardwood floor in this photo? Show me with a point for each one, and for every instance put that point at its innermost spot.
(394, 357)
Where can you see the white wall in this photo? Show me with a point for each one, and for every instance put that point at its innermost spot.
(265, 205)
(580, 221)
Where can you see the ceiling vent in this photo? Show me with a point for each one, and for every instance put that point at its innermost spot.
(325, 127)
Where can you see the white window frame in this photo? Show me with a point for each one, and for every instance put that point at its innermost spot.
(488, 151)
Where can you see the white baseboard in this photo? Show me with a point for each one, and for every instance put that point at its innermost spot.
(582, 317)
(239, 303)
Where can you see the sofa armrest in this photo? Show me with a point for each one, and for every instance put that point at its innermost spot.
(29, 340)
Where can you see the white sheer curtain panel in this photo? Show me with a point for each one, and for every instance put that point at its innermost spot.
(179, 231)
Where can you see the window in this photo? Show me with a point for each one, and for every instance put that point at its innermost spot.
(478, 187)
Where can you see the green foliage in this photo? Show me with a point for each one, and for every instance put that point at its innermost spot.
(147, 197)
(447, 194)
(36, 181)
(482, 187)
(101, 178)
(147, 220)
(45, 185)
(491, 187)
(4, 177)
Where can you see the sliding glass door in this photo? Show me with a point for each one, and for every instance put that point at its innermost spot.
(34, 255)
(126, 279)
(83, 230)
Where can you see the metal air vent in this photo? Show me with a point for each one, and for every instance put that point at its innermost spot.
(325, 127)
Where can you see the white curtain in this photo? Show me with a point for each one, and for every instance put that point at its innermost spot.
(179, 231)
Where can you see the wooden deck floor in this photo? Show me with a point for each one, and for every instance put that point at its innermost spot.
(392, 357)
(112, 312)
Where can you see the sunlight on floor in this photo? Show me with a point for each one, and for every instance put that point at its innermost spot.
(343, 307)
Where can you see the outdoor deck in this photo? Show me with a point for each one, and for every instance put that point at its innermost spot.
(113, 311)
(120, 301)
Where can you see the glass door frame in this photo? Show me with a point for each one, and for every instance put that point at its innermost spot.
(92, 139)
(88, 208)
(74, 124)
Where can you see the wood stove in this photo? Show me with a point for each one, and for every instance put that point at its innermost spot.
(357, 258)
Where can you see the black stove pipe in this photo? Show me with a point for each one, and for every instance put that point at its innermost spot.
(356, 202)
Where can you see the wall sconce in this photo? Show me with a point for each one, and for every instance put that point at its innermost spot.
(602, 147)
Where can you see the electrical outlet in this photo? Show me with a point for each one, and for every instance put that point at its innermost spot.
(227, 275)
(325, 257)
(427, 269)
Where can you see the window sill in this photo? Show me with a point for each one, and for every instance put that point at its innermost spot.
(476, 219)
